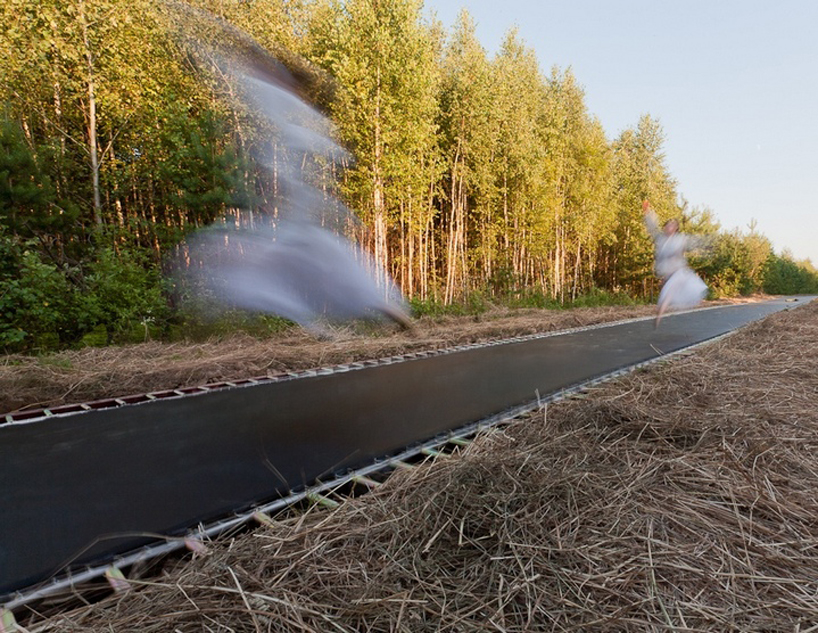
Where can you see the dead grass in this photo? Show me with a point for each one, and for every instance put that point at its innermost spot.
(680, 498)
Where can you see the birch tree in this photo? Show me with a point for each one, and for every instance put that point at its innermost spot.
(384, 58)
(639, 173)
(469, 135)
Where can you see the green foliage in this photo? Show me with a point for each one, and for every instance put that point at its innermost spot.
(597, 297)
(475, 303)
(44, 306)
(198, 325)
(726, 267)
(480, 302)
(384, 58)
(639, 173)
(731, 263)
(784, 276)
(201, 173)
(124, 293)
(24, 189)
(39, 308)
(29, 204)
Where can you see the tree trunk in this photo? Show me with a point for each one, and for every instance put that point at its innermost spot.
(378, 203)
(92, 116)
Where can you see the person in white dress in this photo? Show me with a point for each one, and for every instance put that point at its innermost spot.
(681, 288)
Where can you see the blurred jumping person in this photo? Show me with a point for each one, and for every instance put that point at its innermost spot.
(681, 287)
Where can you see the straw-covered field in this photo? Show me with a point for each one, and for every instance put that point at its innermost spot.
(679, 498)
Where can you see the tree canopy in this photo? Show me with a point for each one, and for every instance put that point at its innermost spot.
(472, 174)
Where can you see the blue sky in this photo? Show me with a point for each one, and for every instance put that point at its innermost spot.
(734, 84)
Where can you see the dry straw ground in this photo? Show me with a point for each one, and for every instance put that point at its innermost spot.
(679, 498)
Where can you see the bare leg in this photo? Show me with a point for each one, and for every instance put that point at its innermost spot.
(398, 316)
(663, 303)
(660, 312)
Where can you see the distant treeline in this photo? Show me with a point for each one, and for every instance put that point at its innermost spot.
(472, 175)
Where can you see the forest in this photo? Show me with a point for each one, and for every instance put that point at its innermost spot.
(477, 178)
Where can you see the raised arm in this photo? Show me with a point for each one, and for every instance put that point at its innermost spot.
(651, 220)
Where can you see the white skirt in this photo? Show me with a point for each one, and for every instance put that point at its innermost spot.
(683, 289)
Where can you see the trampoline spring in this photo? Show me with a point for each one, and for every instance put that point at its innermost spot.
(262, 519)
(317, 499)
(398, 464)
(7, 621)
(459, 441)
(365, 481)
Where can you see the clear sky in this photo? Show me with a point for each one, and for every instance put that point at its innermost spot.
(734, 84)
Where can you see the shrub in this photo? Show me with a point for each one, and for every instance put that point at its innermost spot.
(39, 307)
(125, 294)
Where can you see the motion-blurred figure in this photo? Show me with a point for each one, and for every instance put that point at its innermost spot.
(681, 288)
(298, 263)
